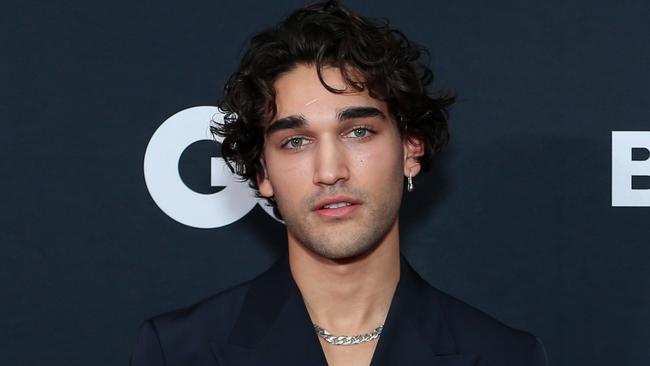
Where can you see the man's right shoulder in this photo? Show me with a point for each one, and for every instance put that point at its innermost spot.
(174, 337)
(209, 317)
(187, 336)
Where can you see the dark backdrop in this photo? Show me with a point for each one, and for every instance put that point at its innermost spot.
(515, 218)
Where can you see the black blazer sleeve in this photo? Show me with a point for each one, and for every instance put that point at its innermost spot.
(539, 354)
(147, 350)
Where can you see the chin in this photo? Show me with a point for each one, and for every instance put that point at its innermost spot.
(342, 251)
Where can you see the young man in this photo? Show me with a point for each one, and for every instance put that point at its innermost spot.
(326, 117)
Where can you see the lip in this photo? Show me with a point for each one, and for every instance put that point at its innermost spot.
(336, 213)
(326, 201)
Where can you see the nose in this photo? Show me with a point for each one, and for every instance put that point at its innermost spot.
(330, 165)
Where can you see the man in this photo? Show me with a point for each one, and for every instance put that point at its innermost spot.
(326, 117)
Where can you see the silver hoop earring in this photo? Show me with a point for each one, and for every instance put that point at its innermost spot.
(409, 184)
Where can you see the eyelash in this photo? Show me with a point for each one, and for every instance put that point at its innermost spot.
(369, 132)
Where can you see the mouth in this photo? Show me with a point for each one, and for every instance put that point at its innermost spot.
(336, 207)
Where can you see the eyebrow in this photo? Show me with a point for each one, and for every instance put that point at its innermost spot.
(285, 123)
(359, 112)
(297, 121)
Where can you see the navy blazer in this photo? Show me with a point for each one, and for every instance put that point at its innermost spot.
(264, 322)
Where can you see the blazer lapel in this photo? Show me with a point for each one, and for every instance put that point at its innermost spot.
(415, 331)
(273, 327)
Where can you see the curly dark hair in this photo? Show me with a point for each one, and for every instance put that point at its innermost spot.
(370, 56)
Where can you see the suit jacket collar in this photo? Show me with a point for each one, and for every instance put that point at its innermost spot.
(274, 326)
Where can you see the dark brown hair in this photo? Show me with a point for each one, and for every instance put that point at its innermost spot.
(370, 56)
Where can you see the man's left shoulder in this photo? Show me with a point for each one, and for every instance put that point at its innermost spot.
(476, 331)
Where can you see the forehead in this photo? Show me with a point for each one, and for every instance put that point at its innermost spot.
(300, 92)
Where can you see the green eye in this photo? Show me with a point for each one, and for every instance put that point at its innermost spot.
(359, 132)
(295, 142)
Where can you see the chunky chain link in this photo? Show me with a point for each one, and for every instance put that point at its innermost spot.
(347, 340)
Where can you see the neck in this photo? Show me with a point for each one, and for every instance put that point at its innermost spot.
(350, 296)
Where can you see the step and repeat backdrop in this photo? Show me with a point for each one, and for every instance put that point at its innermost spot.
(117, 205)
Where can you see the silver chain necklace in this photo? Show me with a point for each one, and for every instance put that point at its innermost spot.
(347, 340)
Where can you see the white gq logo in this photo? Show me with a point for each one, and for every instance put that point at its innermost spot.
(624, 168)
(166, 187)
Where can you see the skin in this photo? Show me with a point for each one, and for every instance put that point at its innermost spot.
(346, 268)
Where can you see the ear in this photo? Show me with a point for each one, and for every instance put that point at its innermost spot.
(413, 150)
(263, 181)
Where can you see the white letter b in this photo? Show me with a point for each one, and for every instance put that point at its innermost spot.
(625, 169)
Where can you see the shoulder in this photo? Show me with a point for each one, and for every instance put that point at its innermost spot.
(174, 337)
(474, 330)
(212, 316)
(189, 335)
(466, 320)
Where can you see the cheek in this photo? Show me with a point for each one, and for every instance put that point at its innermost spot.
(287, 173)
(380, 163)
